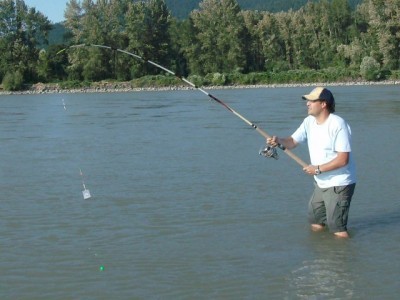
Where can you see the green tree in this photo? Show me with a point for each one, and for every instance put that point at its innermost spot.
(116, 35)
(180, 33)
(43, 66)
(103, 23)
(255, 53)
(22, 30)
(383, 30)
(340, 18)
(286, 32)
(351, 55)
(273, 46)
(95, 67)
(370, 68)
(190, 48)
(73, 15)
(148, 31)
(220, 36)
(359, 45)
(13, 81)
(57, 62)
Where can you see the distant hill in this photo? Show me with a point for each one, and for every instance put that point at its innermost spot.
(181, 9)
(56, 35)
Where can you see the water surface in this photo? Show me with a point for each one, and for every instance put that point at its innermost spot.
(182, 205)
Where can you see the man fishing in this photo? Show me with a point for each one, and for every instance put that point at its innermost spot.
(328, 137)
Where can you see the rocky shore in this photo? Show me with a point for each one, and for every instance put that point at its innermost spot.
(120, 87)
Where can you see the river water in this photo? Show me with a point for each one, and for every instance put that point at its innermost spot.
(182, 206)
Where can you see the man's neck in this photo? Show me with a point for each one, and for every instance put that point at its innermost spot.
(322, 117)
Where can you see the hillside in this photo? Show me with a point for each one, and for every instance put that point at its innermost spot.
(56, 35)
(181, 9)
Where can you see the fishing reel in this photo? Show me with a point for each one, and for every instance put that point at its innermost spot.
(269, 151)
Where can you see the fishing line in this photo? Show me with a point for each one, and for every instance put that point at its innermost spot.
(267, 151)
(85, 192)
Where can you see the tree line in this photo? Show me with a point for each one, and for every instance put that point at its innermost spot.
(181, 9)
(219, 43)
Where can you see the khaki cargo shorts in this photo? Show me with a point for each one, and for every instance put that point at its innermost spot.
(330, 206)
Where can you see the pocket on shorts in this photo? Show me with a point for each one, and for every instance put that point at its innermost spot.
(340, 189)
(346, 191)
(343, 204)
(342, 213)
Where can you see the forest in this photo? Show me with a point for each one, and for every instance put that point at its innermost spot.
(219, 43)
(181, 9)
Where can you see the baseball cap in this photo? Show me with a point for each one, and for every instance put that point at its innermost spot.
(320, 93)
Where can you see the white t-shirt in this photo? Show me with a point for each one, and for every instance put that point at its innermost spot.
(324, 141)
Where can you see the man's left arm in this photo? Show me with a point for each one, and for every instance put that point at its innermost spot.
(341, 160)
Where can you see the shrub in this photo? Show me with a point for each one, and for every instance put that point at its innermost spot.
(395, 75)
(370, 68)
(216, 78)
(155, 81)
(13, 81)
(72, 84)
(197, 80)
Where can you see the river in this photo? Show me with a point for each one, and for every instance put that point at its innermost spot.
(182, 206)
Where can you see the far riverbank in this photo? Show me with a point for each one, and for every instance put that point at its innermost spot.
(120, 87)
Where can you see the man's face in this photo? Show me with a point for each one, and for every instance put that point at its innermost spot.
(315, 107)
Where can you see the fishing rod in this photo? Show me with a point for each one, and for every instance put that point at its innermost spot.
(268, 151)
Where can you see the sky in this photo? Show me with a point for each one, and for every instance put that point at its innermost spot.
(52, 9)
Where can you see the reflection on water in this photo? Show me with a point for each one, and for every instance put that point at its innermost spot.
(328, 275)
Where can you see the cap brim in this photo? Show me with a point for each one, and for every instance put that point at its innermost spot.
(316, 94)
(310, 98)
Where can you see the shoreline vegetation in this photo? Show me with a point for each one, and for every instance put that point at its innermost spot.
(120, 87)
(330, 42)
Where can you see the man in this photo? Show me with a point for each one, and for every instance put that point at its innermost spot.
(328, 138)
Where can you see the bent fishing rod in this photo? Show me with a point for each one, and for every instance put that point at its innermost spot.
(267, 151)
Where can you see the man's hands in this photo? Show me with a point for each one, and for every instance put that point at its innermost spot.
(273, 141)
(311, 170)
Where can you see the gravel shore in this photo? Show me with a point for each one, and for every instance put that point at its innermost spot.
(41, 88)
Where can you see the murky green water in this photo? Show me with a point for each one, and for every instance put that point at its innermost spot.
(182, 205)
